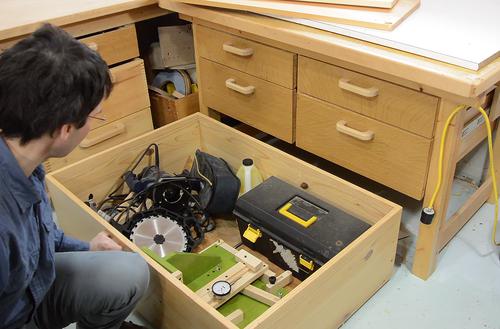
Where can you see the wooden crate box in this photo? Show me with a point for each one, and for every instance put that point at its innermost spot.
(325, 300)
(165, 109)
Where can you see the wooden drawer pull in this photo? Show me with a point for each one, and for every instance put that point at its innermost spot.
(361, 135)
(243, 52)
(93, 46)
(114, 130)
(248, 90)
(366, 92)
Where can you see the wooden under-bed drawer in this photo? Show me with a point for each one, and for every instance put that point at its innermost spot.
(256, 102)
(386, 154)
(324, 300)
(262, 61)
(398, 106)
(115, 46)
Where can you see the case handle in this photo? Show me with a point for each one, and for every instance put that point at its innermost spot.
(114, 130)
(306, 222)
(365, 92)
(361, 135)
(243, 52)
(231, 84)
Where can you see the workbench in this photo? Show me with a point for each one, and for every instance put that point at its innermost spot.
(377, 111)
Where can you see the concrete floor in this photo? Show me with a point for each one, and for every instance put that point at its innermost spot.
(463, 292)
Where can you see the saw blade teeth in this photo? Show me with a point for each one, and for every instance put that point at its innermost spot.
(145, 232)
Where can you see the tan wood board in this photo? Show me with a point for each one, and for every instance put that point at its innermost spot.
(23, 17)
(377, 18)
(364, 3)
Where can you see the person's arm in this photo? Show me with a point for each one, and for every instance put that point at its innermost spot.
(4, 260)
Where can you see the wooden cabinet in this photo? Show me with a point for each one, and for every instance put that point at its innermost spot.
(247, 80)
(377, 128)
(126, 109)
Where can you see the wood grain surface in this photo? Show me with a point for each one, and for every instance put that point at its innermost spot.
(376, 18)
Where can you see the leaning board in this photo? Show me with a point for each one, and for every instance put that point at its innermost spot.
(365, 3)
(458, 32)
(376, 18)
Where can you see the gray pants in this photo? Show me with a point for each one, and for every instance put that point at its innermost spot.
(97, 290)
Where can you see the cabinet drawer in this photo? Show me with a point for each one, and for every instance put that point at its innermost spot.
(258, 103)
(129, 94)
(358, 271)
(115, 46)
(378, 151)
(105, 137)
(398, 106)
(254, 58)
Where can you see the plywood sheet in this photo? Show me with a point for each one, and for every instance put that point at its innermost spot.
(458, 32)
(376, 18)
(365, 3)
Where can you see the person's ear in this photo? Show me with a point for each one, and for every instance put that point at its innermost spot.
(64, 132)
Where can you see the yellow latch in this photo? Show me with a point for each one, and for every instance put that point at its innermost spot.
(307, 264)
(252, 234)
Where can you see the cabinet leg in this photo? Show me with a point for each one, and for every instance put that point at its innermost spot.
(427, 248)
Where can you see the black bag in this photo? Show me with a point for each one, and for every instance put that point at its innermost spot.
(220, 186)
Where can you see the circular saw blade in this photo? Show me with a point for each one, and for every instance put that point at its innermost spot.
(160, 234)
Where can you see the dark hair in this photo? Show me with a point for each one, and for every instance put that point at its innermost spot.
(47, 80)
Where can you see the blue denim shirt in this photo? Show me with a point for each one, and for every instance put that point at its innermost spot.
(28, 240)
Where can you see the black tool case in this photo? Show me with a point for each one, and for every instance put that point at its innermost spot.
(293, 229)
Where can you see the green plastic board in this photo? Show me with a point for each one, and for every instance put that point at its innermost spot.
(200, 269)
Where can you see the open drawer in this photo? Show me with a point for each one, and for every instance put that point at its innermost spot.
(324, 300)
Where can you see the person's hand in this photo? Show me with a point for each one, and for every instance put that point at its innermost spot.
(103, 241)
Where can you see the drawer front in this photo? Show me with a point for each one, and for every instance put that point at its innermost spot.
(258, 103)
(398, 106)
(254, 58)
(115, 46)
(105, 137)
(376, 150)
(129, 94)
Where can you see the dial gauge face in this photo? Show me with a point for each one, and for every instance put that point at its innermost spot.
(221, 288)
